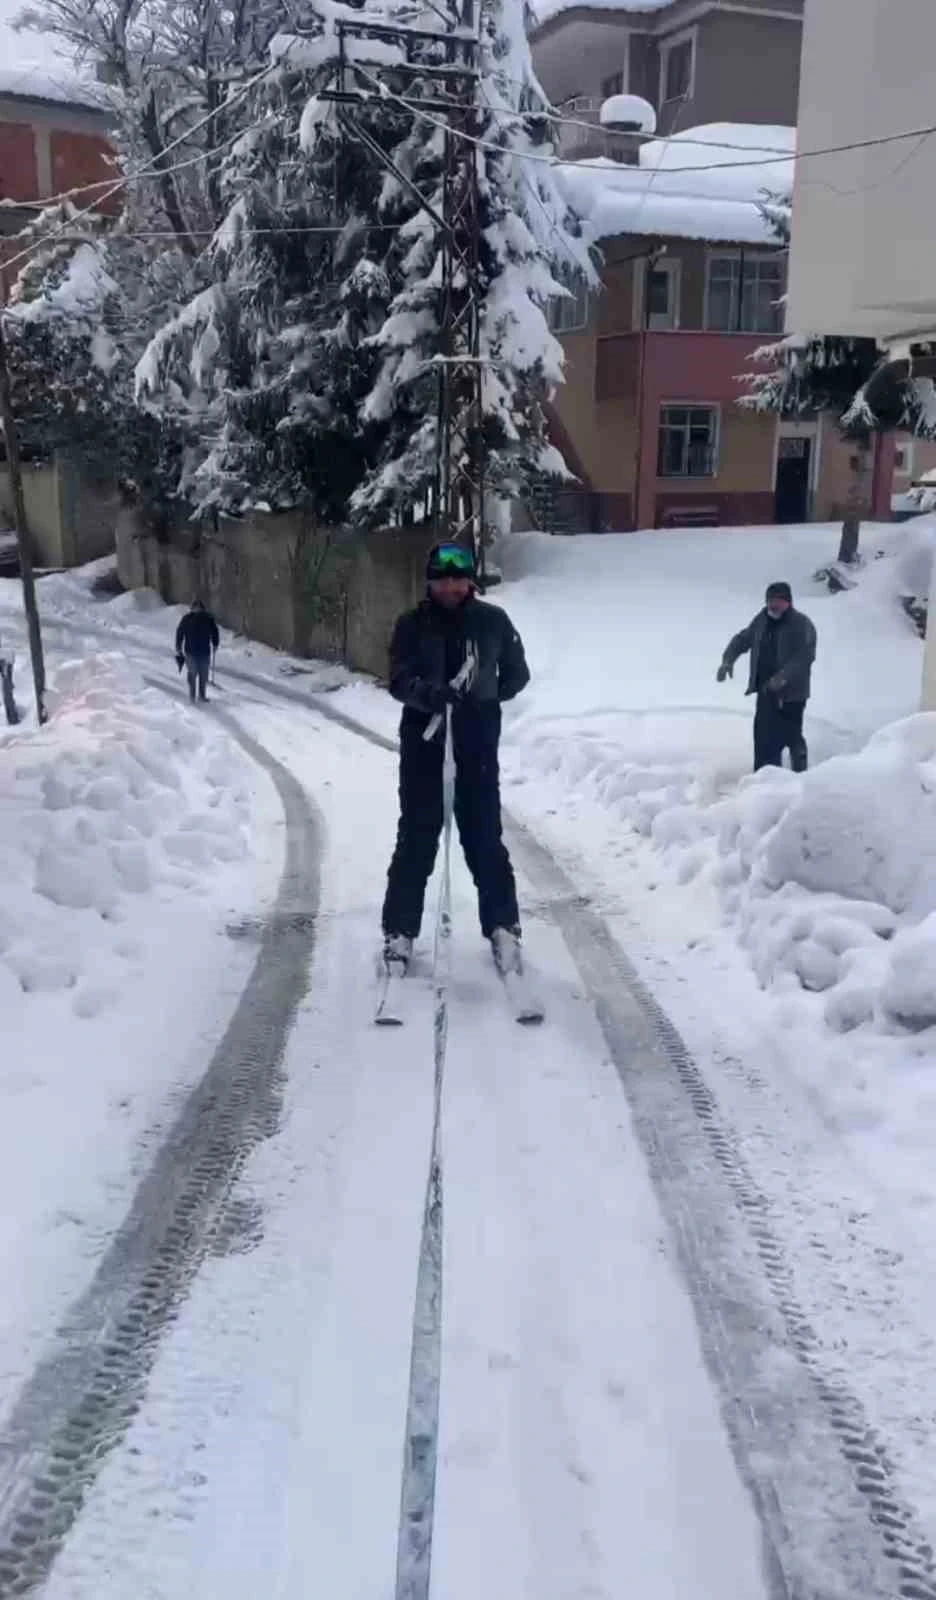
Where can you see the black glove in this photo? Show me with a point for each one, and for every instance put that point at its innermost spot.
(179, 660)
(444, 694)
(726, 670)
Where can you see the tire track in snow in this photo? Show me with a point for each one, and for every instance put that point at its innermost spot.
(79, 1402)
(834, 1522)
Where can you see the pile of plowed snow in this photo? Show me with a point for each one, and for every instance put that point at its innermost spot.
(121, 799)
(830, 876)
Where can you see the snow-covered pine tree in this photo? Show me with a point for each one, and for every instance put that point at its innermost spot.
(269, 361)
(847, 377)
(530, 245)
(73, 333)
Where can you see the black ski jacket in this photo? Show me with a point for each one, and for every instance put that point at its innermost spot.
(197, 635)
(428, 647)
(796, 652)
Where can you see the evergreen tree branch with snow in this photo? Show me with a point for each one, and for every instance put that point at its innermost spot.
(846, 376)
(530, 242)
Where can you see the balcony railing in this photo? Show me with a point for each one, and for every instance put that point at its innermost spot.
(573, 142)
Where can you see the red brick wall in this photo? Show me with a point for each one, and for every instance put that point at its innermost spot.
(18, 176)
(83, 159)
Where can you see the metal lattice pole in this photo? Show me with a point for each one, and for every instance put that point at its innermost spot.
(458, 487)
(459, 449)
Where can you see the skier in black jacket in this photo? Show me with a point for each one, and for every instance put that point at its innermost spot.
(428, 649)
(782, 646)
(196, 637)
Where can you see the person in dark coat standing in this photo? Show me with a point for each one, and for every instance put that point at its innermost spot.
(428, 650)
(196, 637)
(781, 642)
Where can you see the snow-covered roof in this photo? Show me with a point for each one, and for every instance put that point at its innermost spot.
(545, 10)
(701, 184)
(34, 67)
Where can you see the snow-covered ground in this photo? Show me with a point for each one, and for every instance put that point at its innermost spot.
(131, 835)
(785, 923)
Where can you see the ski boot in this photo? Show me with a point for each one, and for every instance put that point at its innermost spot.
(397, 950)
(507, 949)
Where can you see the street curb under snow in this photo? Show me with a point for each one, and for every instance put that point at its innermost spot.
(81, 1398)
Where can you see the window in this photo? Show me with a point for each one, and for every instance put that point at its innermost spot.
(903, 461)
(744, 292)
(569, 313)
(656, 300)
(677, 68)
(688, 442)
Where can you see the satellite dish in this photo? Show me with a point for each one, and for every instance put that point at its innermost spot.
(628, 113)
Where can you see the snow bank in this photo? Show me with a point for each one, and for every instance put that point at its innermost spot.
(118, 800)
(829, 877)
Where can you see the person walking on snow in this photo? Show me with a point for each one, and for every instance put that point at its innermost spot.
(782, 646)
(429, 649)
(196, 637)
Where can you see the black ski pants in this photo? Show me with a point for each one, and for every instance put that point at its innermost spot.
(478, 816)
(778, 726)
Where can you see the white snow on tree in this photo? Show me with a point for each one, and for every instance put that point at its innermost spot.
(530, 243)
(308, 363)
(843, 374)
(269, 364)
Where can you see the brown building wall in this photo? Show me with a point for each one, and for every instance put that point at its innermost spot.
(747, 70)
(80, 161)
(18, 174)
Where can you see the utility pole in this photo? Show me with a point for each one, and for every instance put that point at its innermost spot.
(23, 541)
(458, 491)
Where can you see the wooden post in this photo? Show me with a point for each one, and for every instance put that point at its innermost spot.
(23, 541)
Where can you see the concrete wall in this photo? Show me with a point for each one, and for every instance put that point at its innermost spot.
(72, 515)
(312, 592)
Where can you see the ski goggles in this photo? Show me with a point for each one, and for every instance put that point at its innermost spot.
(451, 561)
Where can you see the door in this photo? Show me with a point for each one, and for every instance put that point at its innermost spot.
(791, 491)
(656, 304)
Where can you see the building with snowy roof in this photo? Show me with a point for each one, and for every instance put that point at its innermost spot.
(693, 276)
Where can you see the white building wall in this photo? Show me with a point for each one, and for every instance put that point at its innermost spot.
(863, 256)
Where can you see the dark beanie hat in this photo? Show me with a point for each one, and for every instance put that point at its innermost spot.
(438, 567)
(780, 591)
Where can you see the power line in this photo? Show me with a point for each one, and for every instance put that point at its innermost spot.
(151, 168)
(756, 160)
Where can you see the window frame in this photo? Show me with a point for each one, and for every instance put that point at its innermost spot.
(623, 53)
(672, 265)
(905, 471)
(749, 257)
(714, 410)
(578, 306)
(686, 36)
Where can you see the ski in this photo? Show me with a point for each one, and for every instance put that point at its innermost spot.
(508, 964)
(524, 1004)
(390, 1000)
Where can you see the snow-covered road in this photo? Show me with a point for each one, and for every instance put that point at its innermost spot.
(643, 1258)
(580, 1440)
(591, 1236)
